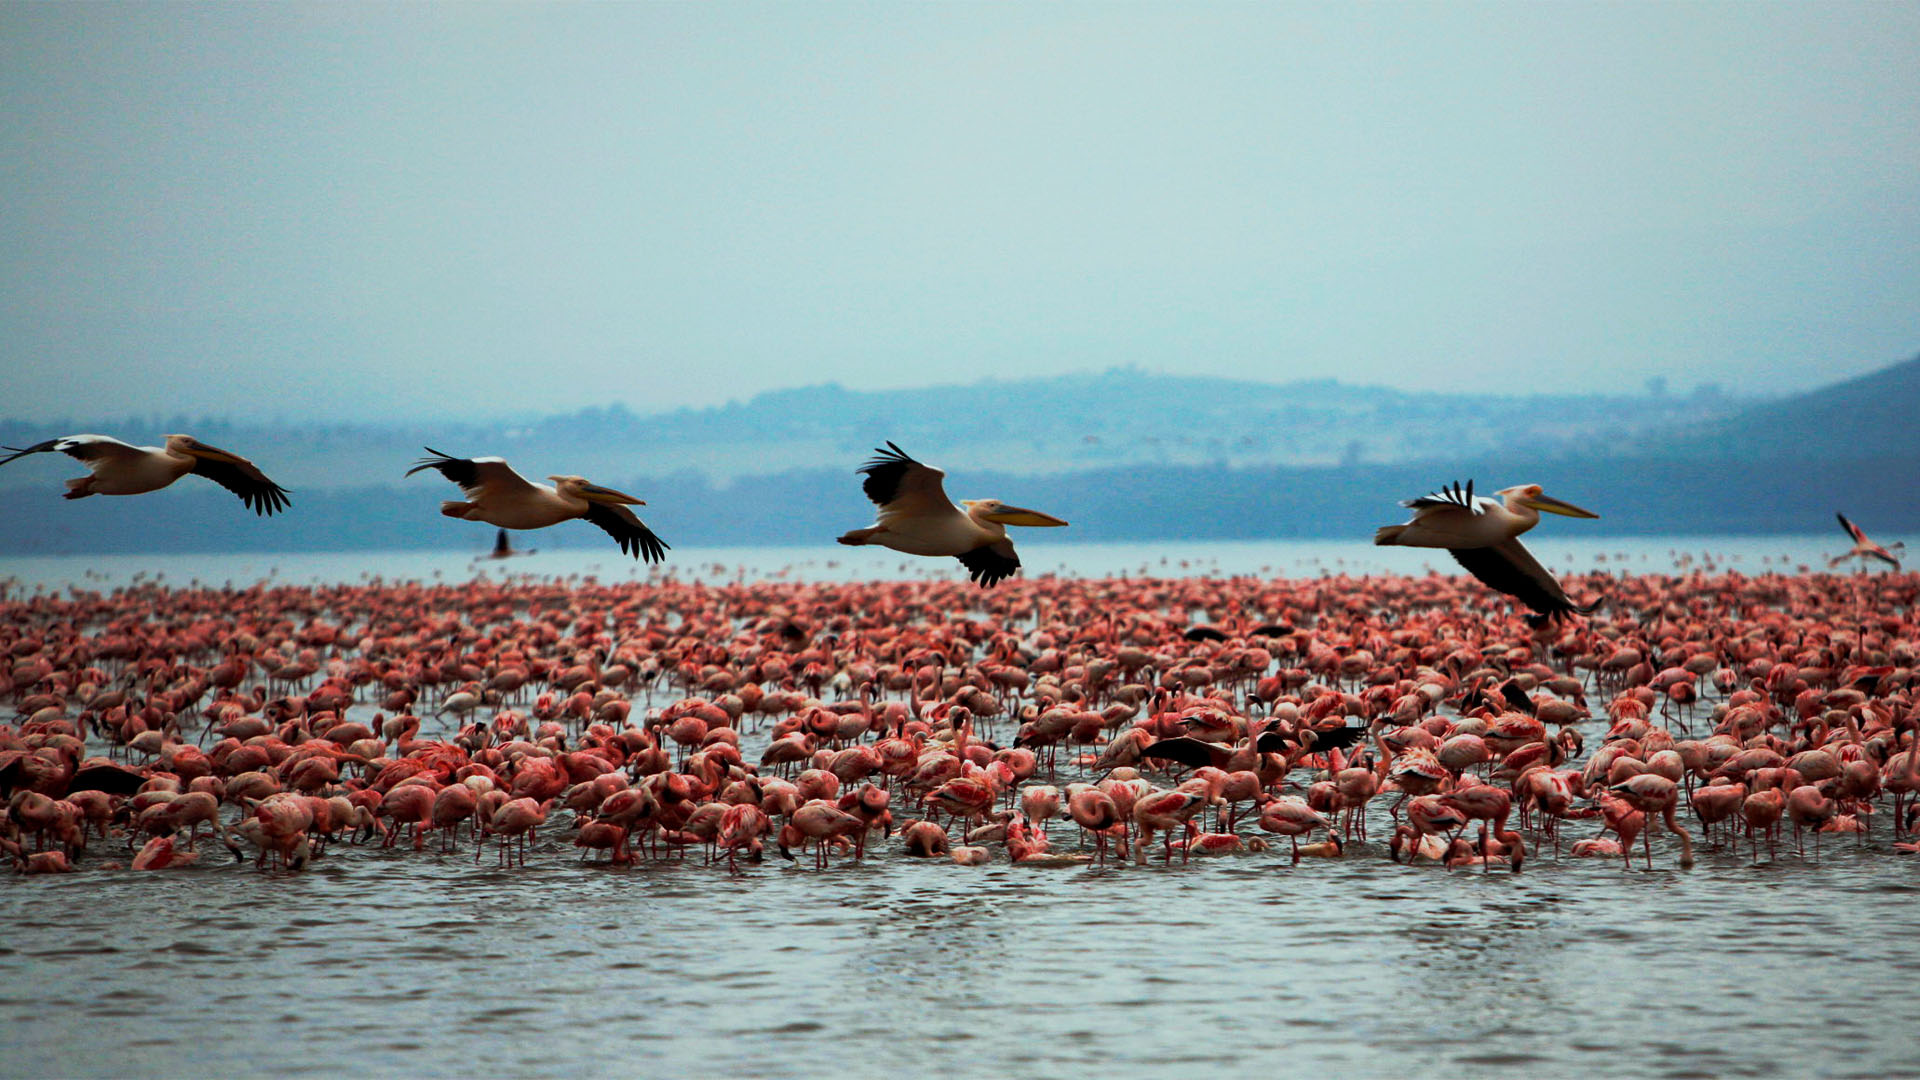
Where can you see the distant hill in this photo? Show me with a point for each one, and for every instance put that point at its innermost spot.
(1875, 415)
(1117, 418)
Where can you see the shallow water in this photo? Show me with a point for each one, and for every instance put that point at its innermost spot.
(428, 965)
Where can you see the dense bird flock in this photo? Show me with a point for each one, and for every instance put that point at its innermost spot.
(1049, 722)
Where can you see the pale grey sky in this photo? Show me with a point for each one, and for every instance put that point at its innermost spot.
(400, 210)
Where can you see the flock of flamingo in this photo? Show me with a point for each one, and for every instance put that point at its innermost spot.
(1049, 722)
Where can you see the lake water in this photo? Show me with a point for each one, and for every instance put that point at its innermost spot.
(396, 963)
(404, 964)
(1171, 558)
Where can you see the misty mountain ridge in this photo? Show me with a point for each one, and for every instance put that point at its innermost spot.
(1119, 417)
(1874, 415)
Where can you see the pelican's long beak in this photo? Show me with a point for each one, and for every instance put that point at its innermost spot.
(1014, 515)
(1555, 506)
(596, 493)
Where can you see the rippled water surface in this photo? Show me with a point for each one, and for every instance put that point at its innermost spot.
(402, 964)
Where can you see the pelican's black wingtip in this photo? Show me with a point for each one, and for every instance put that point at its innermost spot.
(890, 454)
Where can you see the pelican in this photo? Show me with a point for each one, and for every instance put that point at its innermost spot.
(1483, 535)
(916, 517)
(499, 496)
(1864, 549)
(117, 468)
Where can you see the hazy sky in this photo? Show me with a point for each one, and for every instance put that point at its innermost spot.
(393, 210)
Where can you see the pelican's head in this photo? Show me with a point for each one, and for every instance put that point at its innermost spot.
(192, 447)
(580, 487)
(1530, 495)
(1001, 514)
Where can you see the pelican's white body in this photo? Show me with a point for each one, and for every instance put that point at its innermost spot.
(125, 469)
(1493, 521)
(927, 530)
(504, 498)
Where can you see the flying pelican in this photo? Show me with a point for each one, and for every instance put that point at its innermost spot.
(499, 496)
(117, 468)
(1865, 549)
(1483, 535)
(916, 517)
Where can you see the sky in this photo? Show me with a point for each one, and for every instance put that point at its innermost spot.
(359, 211)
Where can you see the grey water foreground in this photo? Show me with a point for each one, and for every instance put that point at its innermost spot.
(398, 964)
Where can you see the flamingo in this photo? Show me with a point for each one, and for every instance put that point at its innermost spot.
(1862, 549)
(1292, 818)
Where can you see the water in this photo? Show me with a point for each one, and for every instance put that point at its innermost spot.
(428, 965)
(1171, 558)
(422, 964)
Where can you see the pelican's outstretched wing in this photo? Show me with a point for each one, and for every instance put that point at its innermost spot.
(1510, 568)
(476, 476)
(1517, 698)
(627, 529)
(1323, 739)
(1454, 496)
(898, 482)
(1190, 752)
(1338, 737)
(87, 448)
(99, 774)
(992, 564)
(238, 475)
